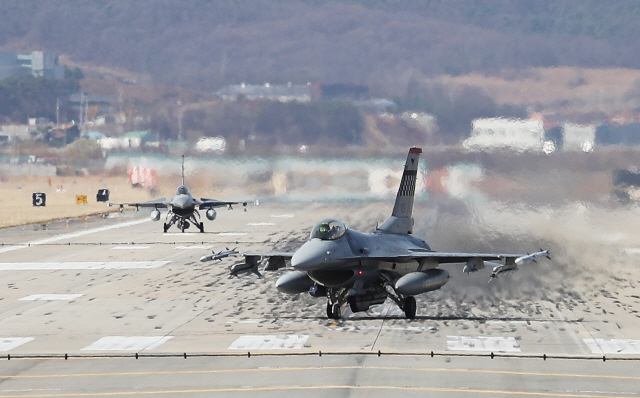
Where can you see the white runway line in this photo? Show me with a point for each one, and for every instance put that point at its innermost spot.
(270, 342)
(9, 343)
(127, 343)
(195, 247)
(481, 343)
(69, 236)
(613, 346)
(282, 215)
(259, 224)
(82, 265)
(232, 233)
(130, 247)
(52, 297)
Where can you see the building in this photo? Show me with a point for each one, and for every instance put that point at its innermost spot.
(578, 137)
(35, 63)
(500, 133)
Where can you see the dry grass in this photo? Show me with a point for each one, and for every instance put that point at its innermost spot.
(564, 89)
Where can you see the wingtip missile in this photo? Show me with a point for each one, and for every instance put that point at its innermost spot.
(219, 255)
(532, 257)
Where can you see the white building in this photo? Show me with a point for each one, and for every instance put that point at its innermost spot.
(578, 137)
(501, 133)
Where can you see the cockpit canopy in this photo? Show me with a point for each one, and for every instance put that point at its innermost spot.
(328, 229)
(182, 190)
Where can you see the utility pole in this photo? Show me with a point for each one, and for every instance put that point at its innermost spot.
(180, 137)
(57, 112)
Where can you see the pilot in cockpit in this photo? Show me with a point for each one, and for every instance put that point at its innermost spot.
(183, 190)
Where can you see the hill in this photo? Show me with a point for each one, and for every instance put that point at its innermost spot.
(382, 44)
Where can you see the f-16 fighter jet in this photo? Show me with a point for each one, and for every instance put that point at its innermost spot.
(364, 269)
(182, 208)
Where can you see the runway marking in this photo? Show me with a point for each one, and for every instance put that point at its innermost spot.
(87, 265)
(69, 236)
(232, 233)
(52, 297)
(9, 343)
(613, 346)
(130, 247)
(631, 250)
(127, 343)
(259, 224)
(270, 342)
(282, 215)
(194, 247)
(492, 372)
(576, 394)
(482, 343)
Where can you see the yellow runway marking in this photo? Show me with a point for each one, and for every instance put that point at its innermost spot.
(294, 388)
(316, 368)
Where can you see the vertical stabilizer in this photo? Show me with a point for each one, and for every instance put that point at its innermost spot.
(400, 221)
(182, 169)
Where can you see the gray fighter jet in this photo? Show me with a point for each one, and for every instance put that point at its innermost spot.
(364, 269)
(183, 208)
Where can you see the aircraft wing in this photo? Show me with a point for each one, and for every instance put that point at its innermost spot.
(475, 261)
(206, 204)
(156, 203)
(275, 260)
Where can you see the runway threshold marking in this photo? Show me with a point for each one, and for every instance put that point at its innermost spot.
(9, 343)
(127, 343)
(70, 235)
(482, 343)
(130, 247)
(269, 342)
(613, 346)
(194, 247)
(52, 297)
(325, 387)
(82, 265)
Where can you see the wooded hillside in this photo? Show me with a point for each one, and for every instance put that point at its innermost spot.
(382, 44)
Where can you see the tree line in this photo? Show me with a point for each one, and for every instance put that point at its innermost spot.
(381, 43)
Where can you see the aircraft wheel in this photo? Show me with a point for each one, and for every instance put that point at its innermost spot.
(166, 227)
(201, 226)
(410, 307)
(329, 310)
(337, 314)
(352, 304)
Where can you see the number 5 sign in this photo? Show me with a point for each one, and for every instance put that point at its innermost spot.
(39, 199)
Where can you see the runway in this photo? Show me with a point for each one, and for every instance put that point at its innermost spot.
(103, 291)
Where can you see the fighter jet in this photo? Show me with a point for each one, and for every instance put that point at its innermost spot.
(364, 269)
(183, 208)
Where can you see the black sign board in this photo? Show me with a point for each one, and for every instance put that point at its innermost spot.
(103, 195)
(39, 199)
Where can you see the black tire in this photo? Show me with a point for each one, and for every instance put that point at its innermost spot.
(201, 226)
(166, 227)
(329, 310)
(410, 307)
(337, 314)
(352, 304)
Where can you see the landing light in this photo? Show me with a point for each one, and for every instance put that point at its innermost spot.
(360, 272)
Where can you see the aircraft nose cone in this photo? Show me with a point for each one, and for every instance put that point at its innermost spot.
(181, 202)
(311, 256)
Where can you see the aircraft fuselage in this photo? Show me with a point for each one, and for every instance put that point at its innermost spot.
(357, 256)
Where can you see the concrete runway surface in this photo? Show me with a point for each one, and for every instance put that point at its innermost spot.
(108, 290)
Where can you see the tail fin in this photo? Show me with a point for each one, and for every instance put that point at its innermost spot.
(400, 221)
(182, 169)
